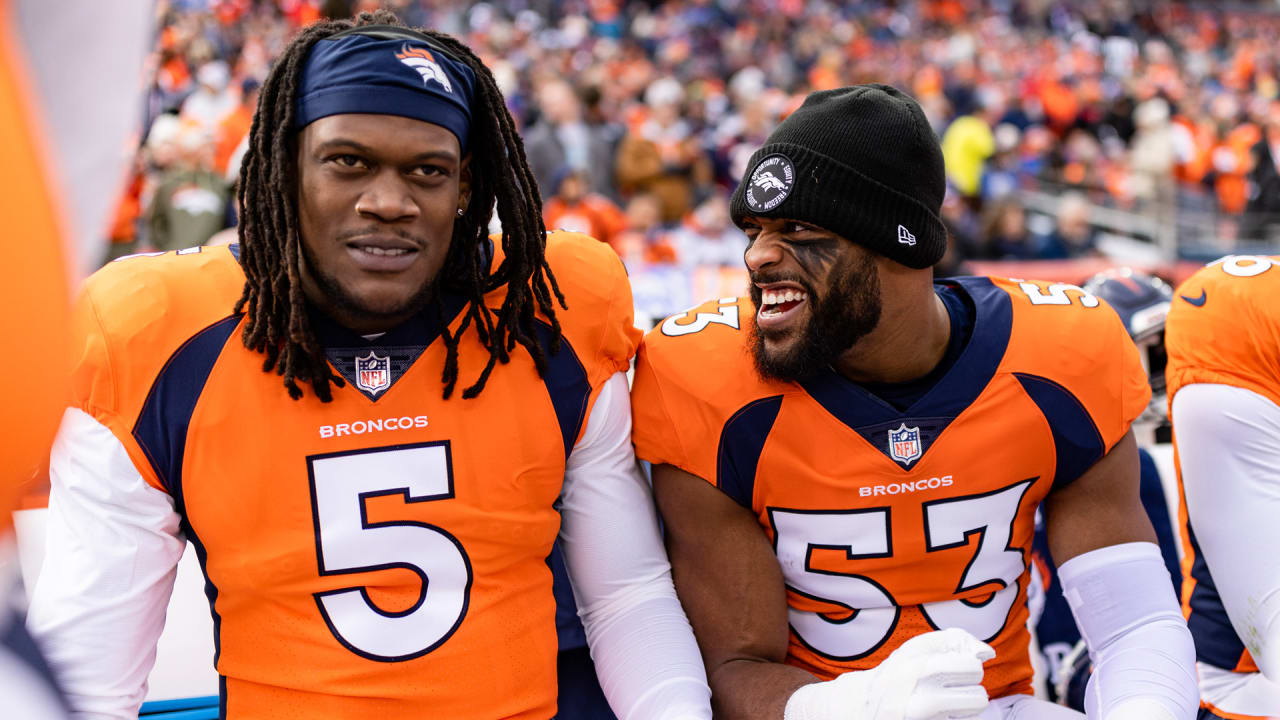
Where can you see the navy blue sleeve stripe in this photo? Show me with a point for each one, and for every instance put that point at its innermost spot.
(569, 390)
(1216, 641)
(161, 429)
(1076, 440)
(566, 381)
(741, 442)
(161, 432)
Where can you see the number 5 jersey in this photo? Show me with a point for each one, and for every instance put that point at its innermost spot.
(381, 555)
(889, 523)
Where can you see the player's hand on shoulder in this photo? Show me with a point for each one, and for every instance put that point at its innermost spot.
(933, 676)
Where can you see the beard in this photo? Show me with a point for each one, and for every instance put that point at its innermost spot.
(837, 320)
(346, 301)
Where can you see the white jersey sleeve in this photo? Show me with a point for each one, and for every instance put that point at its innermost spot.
(641, 641)
(1229, 452)
(112, 550)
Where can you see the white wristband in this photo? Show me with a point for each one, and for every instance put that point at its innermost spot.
(1143, 654)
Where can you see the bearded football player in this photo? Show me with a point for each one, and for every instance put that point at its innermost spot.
(848, 462)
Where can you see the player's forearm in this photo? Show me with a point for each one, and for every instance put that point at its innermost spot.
(1142, 651)
(645, 654)
(744, 689)
(647, 661)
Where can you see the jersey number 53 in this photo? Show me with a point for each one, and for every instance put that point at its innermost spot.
(984, 521)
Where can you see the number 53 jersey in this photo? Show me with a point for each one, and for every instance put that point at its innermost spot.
(890, 523)
(379, 556)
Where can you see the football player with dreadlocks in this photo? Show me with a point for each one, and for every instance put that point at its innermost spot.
(375, 534)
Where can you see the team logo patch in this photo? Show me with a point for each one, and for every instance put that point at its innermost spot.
(422, 61)
(905, 237)
(373, 373)
(904, 444)
(770, 183)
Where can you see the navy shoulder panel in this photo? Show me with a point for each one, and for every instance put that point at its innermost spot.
(1076, 440)
(741, 442)
(161, 428)
(567, 384)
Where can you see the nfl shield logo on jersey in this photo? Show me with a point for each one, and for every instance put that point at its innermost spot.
(373, 373)
(904, 444)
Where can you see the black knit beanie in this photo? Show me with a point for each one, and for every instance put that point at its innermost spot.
(861, 162)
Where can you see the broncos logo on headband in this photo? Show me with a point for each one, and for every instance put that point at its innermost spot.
(422, 61)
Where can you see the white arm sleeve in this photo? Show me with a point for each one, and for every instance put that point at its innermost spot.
(643, 647)
(1229, 451)
(111, 556)
(1143, 656)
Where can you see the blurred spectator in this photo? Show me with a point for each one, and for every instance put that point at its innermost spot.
(189, 204)
(1073, 235)
(660, 155)
(1157, 108)
(561, 137)
(575, 208)
(1264, 179)
(1001, 176)
(708, 237)
(969, 141)
(1005, 234)
(1152, 157)
(123, 233)
(962, 225)
(212, 99)
(234, 127)
(1194, 138)
(1231, 157)
(952, 263)
(646, 239)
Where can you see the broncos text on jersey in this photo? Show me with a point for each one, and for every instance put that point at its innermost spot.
(379, 554)
(888, 524)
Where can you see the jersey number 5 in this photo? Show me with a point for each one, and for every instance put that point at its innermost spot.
(872, 613)
(1056, 294)
(347, 542)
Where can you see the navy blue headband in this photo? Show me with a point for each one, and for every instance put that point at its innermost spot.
(386, 71)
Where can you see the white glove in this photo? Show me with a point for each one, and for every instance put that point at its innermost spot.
(934, 676)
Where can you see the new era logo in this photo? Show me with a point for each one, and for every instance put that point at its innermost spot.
(905, 237)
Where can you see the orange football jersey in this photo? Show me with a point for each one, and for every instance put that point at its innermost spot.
(1223, 329)
(888, 524)
(382, 555)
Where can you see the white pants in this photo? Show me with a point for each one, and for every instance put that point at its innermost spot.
(1025, 707)
(1239, 694)
(1229, 449)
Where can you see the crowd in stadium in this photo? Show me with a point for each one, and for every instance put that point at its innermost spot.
(638, 118)
(869, 489)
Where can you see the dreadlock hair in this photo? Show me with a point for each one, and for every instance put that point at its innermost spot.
(277, 323)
